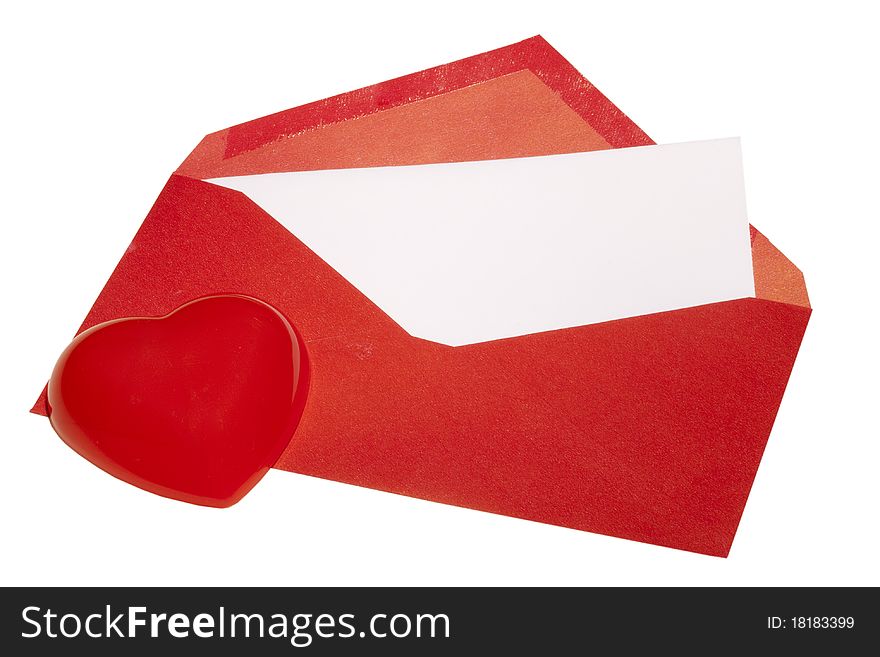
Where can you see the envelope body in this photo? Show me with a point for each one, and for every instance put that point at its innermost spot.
(649, 428)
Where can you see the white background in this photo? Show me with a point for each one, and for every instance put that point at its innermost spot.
(100, 104)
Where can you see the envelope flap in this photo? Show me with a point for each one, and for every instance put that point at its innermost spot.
(534, 54)
(521, 100)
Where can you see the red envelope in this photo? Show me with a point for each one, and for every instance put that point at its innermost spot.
(649, 428)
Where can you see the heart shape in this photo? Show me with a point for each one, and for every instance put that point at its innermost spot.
(196, 405)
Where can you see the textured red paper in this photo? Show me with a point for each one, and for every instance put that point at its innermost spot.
(649, 428)
(521, 100)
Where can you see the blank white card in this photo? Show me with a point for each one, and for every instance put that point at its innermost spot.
(473, 251)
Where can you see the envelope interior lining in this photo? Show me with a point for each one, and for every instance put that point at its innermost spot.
(533, 54)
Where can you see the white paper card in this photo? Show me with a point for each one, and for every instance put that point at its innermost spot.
(474, 251)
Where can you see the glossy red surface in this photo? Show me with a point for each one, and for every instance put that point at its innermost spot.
(196, 405)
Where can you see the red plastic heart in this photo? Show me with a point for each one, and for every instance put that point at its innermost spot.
(196, 405)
